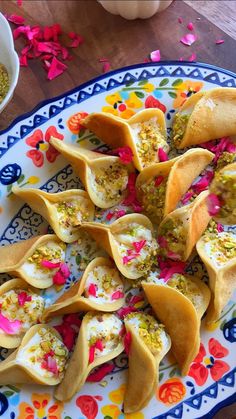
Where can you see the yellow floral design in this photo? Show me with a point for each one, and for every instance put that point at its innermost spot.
(134, 101)
(40, 408)
(114, 411)
(184, 90)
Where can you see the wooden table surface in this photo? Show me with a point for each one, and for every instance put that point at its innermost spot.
(123, 43)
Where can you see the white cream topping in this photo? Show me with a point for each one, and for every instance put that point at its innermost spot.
(107, 280)
(218, 255)
(105, 327)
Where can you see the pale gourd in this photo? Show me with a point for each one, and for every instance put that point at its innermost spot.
(134, 9)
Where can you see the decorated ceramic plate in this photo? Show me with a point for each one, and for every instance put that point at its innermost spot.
(27, 159)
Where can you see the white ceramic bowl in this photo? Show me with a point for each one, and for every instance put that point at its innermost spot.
(8, 57)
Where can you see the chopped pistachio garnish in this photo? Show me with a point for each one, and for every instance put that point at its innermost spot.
(149, 140)
(225, 159)
(111, 181)
(153, 198)
(179, 127)
(224, 186)
(52, 254)
(71, 213)
(4, 82)
(102, 283)
(186, 287)
(22, 305)
(174, 234)
(149, 330)
(222, 246)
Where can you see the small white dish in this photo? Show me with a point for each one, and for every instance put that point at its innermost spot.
(8, 57)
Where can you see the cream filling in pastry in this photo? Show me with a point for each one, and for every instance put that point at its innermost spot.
(153, 196)
(104, 285)
(148, 139)
(104, 333)
(21, 305)
(137, 247)
(187, 287)
(52, 252)
(110, 181)
(220, 248)
(45, 354)
(174, 234)
(150, 331)
(71, 213)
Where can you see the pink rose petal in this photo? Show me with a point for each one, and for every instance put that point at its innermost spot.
(159, 180)
(220, 228)
(9, 327)
(127, 259)
(139, 245)
(180, 20)
(65, 270)
(109, 216)
(187, 197)
(125, 154)
(162, 155)
(124, 311)
(76, 39)
(23, 61)
(58, 278)
(173, 255)
(192, 57)
(56, 68)
(162, 242)
(127, 342)
(100, 373)
(181, 59)
(99, 345)
(190, 26)
(120, 213)
(155, 56)
(16, 19)
(213, 204)
(170, 267)
(23, 297)
(91, 353)
(50, 265)
(106, 67)
(188, 39)
(92, 290)
(52, 365)
(219, 41)
(117, 295)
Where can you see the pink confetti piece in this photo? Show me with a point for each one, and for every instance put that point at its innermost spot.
(159, 180)
(213, 204)
(23, 297)
(188, 39)
(219, 41)
(100, 373)
(125, 154)
(127, 342)
(117, 295)
(155, 56)
(190, 26)
(220, 228)
(16, 19)
(50, 265)
(106, 67)
(192, 57)
(9, 327)
(92, 290)
(180, 20)
(139, 245)
(162, 155)
(56, 69)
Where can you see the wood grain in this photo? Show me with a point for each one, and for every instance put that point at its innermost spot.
(222, 13)
(122, 42)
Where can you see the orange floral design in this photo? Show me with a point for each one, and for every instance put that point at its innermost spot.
(171, 391)
(74, 122)
(186, 89)
(40, 408)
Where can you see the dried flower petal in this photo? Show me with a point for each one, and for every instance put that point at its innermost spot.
(92, 290)
(190, 26)
(155, 56)
(219, 41)
(16, 19)
(188, 39)
(109, 215)
(117, 295)
(99, 345)
(56, 68)
(76, 39)
(139, 245)
(127, 342)
(213, 204)
(187, 197)
(162, 155)
(180, 19)
(124, 311)
(65, 270)
(9, 327)
(192, 57)
(23, 61)
(169, 268)
(120, 213)
(219, 228)
(100, 373)
(162, 242)
(127, 259)
(125, 154)
(58, 278)
(106, 67)
(91, 354)
(159, 180)
(50, 265)
(23, 297)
